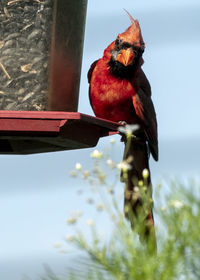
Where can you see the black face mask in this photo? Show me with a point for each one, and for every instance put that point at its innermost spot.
(121, 71)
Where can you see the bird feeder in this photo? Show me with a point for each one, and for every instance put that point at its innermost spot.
(41, 43)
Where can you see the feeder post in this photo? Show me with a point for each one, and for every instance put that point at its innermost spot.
(66, 54)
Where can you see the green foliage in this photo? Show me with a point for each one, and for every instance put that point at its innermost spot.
(121, 255)
(124, 257)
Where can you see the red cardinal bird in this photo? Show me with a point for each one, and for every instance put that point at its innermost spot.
(119, 89)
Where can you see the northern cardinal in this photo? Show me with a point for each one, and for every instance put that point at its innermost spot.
(119, 89)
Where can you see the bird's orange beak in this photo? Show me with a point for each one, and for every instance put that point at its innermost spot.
(125, 57)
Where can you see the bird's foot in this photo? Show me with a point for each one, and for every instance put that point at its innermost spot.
(122, 123)
(123, 136)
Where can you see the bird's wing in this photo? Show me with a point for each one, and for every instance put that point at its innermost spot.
(143, 82)
(144, 109)
(89, 75)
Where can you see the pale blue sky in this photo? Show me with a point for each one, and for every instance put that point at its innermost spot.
(36, 191)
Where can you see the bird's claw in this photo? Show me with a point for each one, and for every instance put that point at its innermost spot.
(122, 123)
(123, 137)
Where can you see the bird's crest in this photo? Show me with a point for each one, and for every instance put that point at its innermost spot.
(133, 33)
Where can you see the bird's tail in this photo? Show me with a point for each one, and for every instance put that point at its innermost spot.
(138, 203)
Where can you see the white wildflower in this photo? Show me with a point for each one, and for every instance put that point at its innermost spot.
(176, 203)
(110, 163)
(90, 222)
(70, 238)
(86, 174)
(136, 189)
(96, 154)
(164, 208)
(124, 166)
(112, 140)
(78, 166)
(99, 207)
(74, 217)
(79, 213)
(128, 129)
(73, 173)
(71, 220)
(145, 173)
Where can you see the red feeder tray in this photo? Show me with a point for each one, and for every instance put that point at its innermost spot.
(29, 132)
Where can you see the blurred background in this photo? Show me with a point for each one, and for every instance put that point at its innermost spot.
(37, 193)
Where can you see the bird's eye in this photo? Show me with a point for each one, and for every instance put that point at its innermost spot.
(137, 50)
(117, 43)
(126, 45)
